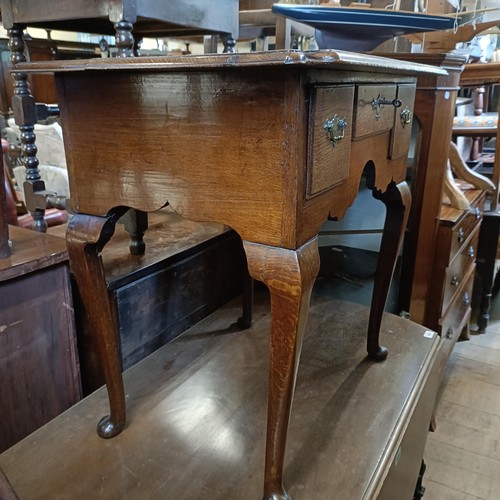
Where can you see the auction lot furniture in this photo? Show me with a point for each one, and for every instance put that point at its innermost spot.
(39, 369)
(479, 75)
(358, 428)
(434, 110)
(129, 20)
(268, 143)
(454, 267)
(124, 18)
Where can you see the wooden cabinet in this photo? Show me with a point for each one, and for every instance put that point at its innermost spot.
(434, 110)
(39, 371)
(454, 267)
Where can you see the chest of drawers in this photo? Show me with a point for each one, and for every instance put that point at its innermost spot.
(454, 269)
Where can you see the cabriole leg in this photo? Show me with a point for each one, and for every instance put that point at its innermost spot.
(397, 199)
(86, 236)
(289, 275)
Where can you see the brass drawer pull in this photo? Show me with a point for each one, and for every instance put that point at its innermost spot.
(471, 252)
(466, 299)
(477, 213)
(449, 333)
(406, 116)
(461, 235)
(380, 101)
(335, 128)
(455, 280)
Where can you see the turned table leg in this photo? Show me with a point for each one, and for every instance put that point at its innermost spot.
(124, 39)
(136, 224)
(289, 275)
(23, 105)
(86, 236)
(397, 199)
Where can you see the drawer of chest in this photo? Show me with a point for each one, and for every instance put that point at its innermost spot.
(459, 268)
(329, 137)
(464, 228)
(456, 319)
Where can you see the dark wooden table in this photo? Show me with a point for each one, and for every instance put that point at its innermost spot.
(357, 432)
(269, 143)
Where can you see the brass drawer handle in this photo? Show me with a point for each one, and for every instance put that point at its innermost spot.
(466, 299)
(461, 235)
(406, 116)
(455, 280)
(449, 333)
(471, 252)
(477, 213)
(380, 101)
(335, 128)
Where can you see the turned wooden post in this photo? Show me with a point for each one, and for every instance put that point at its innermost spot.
(124, 39)
(23, 105)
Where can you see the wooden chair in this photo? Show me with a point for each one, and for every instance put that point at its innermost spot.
(481, 125)
(17, 215)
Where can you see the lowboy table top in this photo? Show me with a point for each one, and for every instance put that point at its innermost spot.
(321, 58)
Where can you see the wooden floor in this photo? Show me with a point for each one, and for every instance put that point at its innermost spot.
(463, 454)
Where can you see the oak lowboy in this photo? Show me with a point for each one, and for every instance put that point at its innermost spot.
(269, 143)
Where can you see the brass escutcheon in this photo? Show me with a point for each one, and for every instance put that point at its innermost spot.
(381, 101)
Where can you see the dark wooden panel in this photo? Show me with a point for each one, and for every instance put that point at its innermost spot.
(39, 375)
(161, 301)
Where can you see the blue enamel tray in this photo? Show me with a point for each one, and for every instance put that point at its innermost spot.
(359, 29)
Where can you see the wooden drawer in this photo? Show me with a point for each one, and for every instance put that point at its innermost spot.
(459, 268)
(462, 231)
(403, 117)
(368, 119)
(329, 139)
(456, 319)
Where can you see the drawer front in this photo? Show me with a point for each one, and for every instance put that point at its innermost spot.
(403, 118)
(456, 319)
(370, 119)
(464, 228)
(459, 268)
(329, 139)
